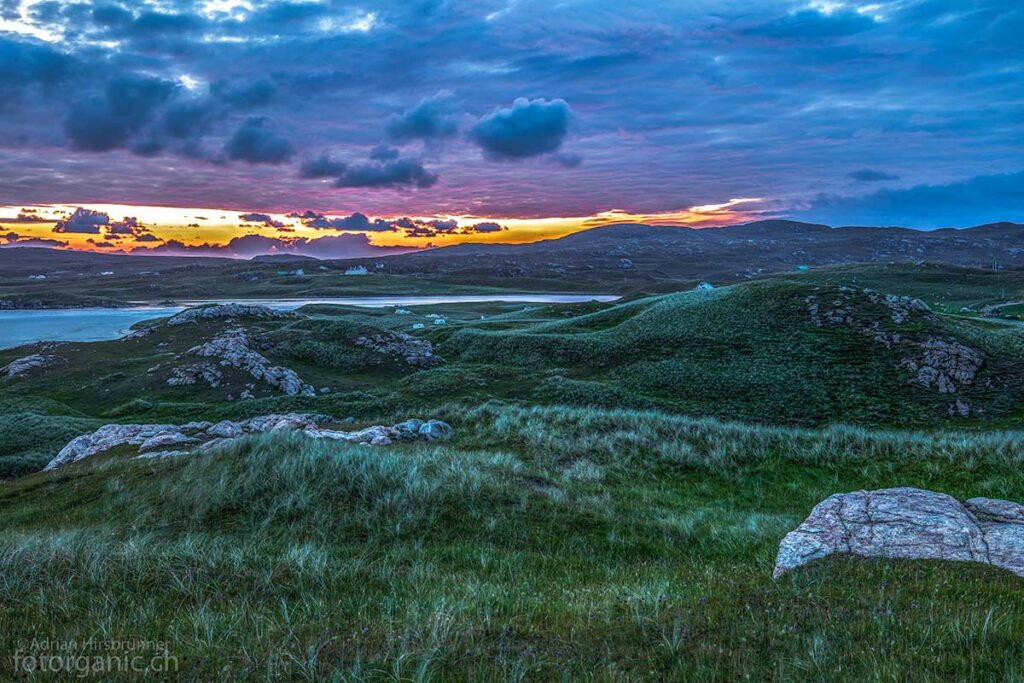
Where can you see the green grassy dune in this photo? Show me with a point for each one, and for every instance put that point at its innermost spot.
(609, 507)
(539, 543)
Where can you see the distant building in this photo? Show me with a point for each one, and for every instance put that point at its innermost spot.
(705, 285)
(357, 270)
(802, 268)
(36, 277)
(402, 311)
(107, 272)
(440, 321)
(417, 326)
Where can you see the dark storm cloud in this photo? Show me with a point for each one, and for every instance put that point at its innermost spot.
(129, 225)
(259, 93)
(356, 222)
(410, 227)
(24, 65)
(25, 217)
(433, 118)
(485, 227)
(83, 221)
(383, 153)
(869, 175)
(323, 166)
(726, 99)
(257, 141)
(394, 173)
(150, 24)
(247, 246)
(109, 121)
(529, 128)
(267, 220)
(111, 15)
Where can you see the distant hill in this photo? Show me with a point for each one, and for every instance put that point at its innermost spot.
(283, 258)
(644, 255)
(625, 257)
(24, 261)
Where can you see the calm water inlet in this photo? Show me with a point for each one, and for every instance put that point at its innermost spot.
(94, 324)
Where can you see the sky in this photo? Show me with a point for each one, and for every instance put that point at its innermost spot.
(326, 128)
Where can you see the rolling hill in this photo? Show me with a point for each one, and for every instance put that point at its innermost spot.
(641, 256)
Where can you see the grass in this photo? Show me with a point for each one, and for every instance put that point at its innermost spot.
(609, 508)
(540, 543)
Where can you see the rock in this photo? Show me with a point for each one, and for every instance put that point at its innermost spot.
(959, 408)
(165, 439)
(22, 365)
(191, 315)
(413, 351)
(152, 441)
(944, 364)
(233, 348)
(190, 374)
(141, 332)
(410, 428)
(435, 429)
(287, 421)
(225, 429)
(934, 363)
(908, 523)
(105, 438)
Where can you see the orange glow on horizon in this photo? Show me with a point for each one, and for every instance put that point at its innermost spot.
(197, 226)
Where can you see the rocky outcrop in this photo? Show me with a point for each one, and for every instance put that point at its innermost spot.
(106, 438)
(22, 365)
(933, 362)
(409, 349)
(191, 315)
(141, 332)
(233, 348)
(190, 374)
(162, 440)
(944, 365)
(843, 307)
(908, 523)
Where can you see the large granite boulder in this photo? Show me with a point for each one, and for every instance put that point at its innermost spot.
(908, 523)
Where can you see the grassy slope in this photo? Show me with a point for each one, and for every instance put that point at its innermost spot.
(946, 288)
(746, 352)
(539, 543)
